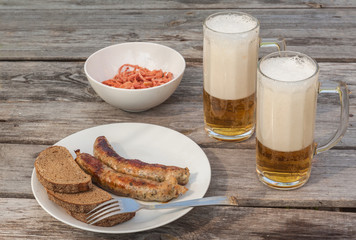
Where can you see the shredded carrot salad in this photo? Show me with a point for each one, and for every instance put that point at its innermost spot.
(135, 77)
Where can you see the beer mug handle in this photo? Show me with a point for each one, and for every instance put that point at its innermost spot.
(342, 90)
(280, 43)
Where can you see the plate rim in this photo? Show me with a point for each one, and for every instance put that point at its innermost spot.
(180, 213)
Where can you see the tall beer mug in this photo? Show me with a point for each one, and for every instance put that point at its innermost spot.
(287, 89)
(230, 56)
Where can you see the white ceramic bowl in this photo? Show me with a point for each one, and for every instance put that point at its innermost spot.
(104, 64)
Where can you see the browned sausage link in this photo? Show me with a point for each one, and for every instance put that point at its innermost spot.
(126, 185)
(158, 172)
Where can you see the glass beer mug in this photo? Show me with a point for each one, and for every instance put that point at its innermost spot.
(230, 56)
(287, 89)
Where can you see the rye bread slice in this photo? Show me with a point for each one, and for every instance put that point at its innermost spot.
(80, 202)
(57, 171)
(107, 222)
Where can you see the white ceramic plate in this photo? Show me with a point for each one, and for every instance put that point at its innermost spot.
(149, 143)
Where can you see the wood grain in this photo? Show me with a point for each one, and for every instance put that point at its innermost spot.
(44, 97)
(200, 223)
(47, 123)
(24, 81)
(74, 34)
(36, 96)
(233, 173)
(175, 4)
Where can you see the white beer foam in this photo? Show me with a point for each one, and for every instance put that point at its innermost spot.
(286, 108)
(231, 23)
(288, 68)
(230, 60)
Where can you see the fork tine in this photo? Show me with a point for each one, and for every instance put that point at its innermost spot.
(109, 212)
(102, 210)
(109, 202)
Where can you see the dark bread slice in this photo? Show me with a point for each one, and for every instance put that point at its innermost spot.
(57, 171)
(80, 202)
(107, 222)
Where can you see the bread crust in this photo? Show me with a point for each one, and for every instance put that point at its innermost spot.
(59, 157)
(80, 202)
(64, 188)
(79, 211)
(107, 222)
(70, 187)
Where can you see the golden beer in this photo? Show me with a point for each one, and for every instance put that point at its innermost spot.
(229, 117)
(287, 90)
(283, 167)
(230, 54)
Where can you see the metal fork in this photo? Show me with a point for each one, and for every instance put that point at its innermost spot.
(120, 205)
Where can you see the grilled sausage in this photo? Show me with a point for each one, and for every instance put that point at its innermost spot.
(158, 172)
(127, 185)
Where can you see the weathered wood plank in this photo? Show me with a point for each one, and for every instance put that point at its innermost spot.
(200, 223)
(66, 81)
(233, 173)
(36, 96)
(75, 34)
(16, 169)
(154, 4)
(43, 102)
(47, 123)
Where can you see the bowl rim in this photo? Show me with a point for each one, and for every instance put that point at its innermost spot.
(135, 90)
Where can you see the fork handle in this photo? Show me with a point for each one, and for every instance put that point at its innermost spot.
(217, 200)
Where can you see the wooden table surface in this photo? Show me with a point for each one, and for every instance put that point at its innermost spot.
(44, 97)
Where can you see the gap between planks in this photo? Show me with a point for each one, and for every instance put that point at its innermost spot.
(302, 6)
(188, 60)
(202, 145)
